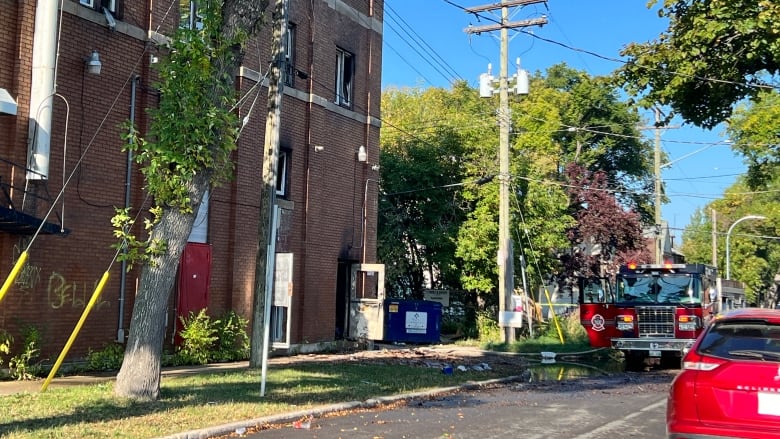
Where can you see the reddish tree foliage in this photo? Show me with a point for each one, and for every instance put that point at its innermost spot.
(606, 235)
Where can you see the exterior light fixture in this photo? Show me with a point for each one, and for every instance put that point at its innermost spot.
(362, 154)
(93, 63)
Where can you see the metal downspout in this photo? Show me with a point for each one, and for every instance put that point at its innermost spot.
(120, 330)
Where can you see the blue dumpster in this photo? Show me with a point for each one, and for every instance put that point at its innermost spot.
(413, 321)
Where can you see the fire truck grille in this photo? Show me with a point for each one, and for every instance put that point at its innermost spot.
(655, 321)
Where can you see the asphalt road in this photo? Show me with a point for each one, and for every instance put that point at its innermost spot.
(622, 405)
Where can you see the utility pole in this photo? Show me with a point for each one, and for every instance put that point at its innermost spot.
(715, 240)
(657, 180)
(505, 256)
(657, 173)
(264, 262)
(718, 279)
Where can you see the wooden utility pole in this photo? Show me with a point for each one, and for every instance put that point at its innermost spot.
(715, 239)
(505, 256)
(657, 172)
(657, 181)
(266, 237)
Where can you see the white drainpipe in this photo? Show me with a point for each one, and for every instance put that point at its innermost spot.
(42, 91)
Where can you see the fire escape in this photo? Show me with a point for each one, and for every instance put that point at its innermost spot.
(35, 199)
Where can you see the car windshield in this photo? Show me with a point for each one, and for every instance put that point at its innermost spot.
(756, 340)
(664, 288)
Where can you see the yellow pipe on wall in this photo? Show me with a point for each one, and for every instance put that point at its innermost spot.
(76, 330)
(12, 275)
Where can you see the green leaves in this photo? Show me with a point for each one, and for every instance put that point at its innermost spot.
(194, 129)
(135, 251)
(192, 132)
(713, 55)
(439, 214)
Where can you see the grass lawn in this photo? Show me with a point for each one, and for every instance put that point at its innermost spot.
(199, 401)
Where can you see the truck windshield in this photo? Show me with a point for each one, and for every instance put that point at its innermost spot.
(664, 288)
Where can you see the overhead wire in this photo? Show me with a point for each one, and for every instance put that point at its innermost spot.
(612, 59)
(408, 63)
(431, 55)
(587, 129)
(24, 255)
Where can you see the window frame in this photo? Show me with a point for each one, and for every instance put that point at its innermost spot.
(193, 20)
(282, 185)
(112, 6)
(289, 56)
(345, 77)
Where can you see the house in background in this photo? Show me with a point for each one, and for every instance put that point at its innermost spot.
(73, 71)
(654, 235)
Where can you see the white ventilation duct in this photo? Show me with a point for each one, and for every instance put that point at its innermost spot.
(44, 58)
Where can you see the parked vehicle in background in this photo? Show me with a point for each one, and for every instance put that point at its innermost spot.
(652, 312)
(730, 382)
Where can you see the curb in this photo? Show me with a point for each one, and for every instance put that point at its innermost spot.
(282, 418)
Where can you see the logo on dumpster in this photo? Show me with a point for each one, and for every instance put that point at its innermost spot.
(416, 322)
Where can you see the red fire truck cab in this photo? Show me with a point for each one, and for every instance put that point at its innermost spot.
(651, 312)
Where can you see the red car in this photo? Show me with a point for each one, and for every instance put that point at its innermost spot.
(729, 386)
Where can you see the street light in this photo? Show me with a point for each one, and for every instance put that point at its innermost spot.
(728, 236)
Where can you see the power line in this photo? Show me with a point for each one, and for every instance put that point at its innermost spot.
(616, 60)
(407, 62)
(408, 30)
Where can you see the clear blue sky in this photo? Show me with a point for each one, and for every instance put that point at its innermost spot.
(425, 45)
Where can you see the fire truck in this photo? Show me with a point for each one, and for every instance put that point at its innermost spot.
(653, 312)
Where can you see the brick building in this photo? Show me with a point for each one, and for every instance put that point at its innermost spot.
(63, 170)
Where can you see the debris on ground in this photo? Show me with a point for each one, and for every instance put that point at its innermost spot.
(303, 423)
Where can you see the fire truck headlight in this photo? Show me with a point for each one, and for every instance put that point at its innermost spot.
(687, 323)
(624, 323)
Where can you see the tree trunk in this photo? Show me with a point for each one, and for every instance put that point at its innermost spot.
(139, 377)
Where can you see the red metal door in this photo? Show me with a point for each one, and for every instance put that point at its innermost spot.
(192, 293)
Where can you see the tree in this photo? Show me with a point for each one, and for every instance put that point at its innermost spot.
(605, 236)
(437, 138)
(714, 54)
(753, 129)
(755, 132)
(754, 255)
(423, 154)
(194, 131)
(600, 132)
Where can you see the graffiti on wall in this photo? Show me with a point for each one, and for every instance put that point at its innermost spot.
(30, 275)
(60, 293)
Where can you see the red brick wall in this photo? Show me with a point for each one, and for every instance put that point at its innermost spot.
(323, 214)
